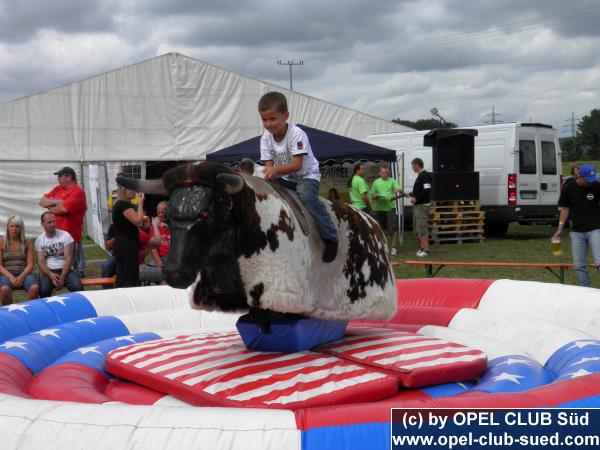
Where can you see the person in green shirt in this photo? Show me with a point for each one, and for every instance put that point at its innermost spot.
(359, 189)
(383, 196)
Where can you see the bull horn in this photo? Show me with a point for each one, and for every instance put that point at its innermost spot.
(145, 186)
(233, 183)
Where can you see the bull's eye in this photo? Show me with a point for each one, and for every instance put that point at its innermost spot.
(204, 214)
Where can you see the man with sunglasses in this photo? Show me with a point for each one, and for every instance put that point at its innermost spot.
(67, 202)
(579, 201)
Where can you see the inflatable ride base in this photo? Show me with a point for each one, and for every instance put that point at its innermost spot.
(289, 336)
(59, 357)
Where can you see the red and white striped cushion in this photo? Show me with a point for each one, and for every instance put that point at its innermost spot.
(216, 369)
(416, 359)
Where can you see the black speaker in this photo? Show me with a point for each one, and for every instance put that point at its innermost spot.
(453, 150)
(448, 186)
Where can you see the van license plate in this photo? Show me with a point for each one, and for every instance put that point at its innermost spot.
(528, 195)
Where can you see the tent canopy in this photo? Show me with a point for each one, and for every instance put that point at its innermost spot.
(168, 108)
(327, 147)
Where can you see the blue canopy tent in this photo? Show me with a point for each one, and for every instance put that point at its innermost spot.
(328, 148)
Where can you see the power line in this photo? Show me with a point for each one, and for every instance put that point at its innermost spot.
(493, 114)
(572, 125)
(513, 27)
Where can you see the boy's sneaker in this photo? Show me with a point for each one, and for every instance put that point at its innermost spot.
(422, 253)
(419, 251)
(330, 252)
(394, 251)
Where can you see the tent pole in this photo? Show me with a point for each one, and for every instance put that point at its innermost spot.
(400, 201)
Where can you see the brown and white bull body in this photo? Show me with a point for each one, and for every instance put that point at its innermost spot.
(242, 243)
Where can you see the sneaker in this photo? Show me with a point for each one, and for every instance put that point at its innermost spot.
(422, 253)
(419, 252)
(394, 251)
(330, 252)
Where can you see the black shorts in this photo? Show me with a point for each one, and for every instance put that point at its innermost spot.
(388, 220)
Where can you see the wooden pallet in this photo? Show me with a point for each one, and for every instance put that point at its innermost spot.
(466, 232)
(456, 206)
(469, 224)
(456, 215)
(456, 238)
(456, 222)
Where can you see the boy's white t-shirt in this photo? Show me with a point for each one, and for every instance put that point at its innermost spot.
(295, 142)
(54, 248)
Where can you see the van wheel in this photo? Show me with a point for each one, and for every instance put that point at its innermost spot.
(495, 228)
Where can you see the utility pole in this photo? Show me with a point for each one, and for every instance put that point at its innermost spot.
(493, 115)
(572, 125)
(290, 63)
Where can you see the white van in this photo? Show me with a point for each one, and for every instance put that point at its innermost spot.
(519, 167)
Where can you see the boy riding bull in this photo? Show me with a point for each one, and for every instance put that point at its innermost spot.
(286, 151)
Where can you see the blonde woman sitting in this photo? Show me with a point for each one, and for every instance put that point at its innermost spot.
(16, 262)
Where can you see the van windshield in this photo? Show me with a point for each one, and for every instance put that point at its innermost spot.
(548, 158)
(527, 157)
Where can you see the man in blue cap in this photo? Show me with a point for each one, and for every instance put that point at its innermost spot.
(581, 201)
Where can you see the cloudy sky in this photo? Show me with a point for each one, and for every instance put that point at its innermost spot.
(533, 60)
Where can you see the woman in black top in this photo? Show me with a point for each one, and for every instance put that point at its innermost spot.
(126, 220)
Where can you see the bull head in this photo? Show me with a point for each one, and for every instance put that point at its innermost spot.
(191, 215)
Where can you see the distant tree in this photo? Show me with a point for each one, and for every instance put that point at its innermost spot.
(588, 136)
(571, 151)
(425, 124)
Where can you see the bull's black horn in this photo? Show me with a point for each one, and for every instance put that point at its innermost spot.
(233, 183)
(145, 186)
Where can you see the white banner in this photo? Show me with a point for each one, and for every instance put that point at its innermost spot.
(97, 213)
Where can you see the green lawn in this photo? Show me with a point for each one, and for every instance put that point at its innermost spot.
(566, 166)
(521, 244)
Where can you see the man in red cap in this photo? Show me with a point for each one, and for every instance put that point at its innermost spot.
(67, 201)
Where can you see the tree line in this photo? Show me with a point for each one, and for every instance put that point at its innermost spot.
(425, 124)
(585, 145)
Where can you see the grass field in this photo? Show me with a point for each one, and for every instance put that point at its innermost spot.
(522, 243)
(529, 244)
(566, 166)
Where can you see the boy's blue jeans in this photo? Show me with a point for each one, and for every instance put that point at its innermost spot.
(308, 191)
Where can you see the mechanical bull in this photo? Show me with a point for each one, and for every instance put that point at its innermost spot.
(242, 243)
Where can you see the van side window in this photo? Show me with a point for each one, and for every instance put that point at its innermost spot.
(548, 158)
(527, 157)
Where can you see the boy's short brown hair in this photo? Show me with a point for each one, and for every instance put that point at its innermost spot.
(273, 100)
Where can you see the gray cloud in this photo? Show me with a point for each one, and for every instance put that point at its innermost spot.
(21, 20)
(391, 58)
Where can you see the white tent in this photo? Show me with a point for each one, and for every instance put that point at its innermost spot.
(168, 108)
